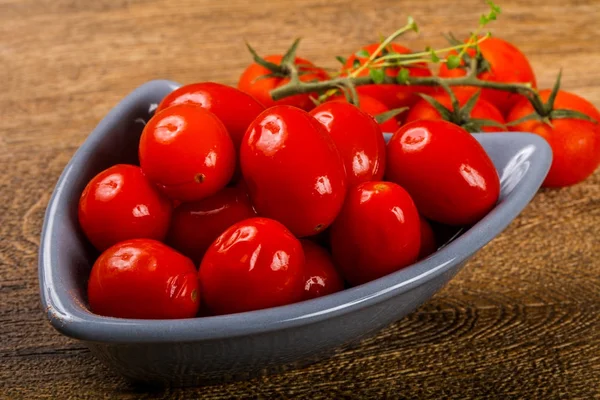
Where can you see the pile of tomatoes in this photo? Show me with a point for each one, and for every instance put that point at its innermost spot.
(242, 203)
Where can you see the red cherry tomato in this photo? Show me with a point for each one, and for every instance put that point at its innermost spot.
(197, 224)
(428, 244)
(252, 81)
(446, 171)
(373, 107)
(233, 107)
(186, 151)
(575, 142)
(376, 233)
(293, 170)
(143, 278)
(357, 137)
(120, 203)
(392, 95)
(482, 110)
(256, 263)
(506, 64)
(320, 276)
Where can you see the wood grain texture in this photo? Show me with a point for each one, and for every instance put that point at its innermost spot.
(522, 319)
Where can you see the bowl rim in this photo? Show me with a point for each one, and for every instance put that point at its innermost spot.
(77, 322)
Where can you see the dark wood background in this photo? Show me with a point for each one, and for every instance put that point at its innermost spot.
(522, 320)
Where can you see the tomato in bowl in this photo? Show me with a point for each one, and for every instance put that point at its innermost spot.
(191, 351)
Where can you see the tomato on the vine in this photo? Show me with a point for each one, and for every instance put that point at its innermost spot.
(482, 110)
(256, 263)
(446, 171)
(143, 278)
(373, 107)
(320, 276)
(376, 233)
(575, 142)
(196, 225)
(120, 203)
(504, 62)
(187, 152)
(357, 137)
(293, 170)
(257, 81)
(392, 95)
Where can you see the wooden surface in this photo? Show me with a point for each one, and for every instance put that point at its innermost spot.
(522, 320)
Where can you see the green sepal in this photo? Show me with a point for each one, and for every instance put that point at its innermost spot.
(403, 75)
(565, 114)
(290, 56)
(465, 111)
(445, 113)
(362, 53)
(529, 117)
(549, 106)
(377, 75)
(383, 117)
(264, 63)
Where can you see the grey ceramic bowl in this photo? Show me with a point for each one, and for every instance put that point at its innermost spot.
(199, 350)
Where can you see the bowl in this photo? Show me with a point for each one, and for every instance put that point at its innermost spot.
(229, 347)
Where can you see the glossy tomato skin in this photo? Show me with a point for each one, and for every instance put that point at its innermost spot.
(236, 109)
(251, 82)
(392, 95)
(376, 233)
(482, 110)
(575, 143)
(293, 170)
(186, 151)
(507, 64)
(121, 203)
(358, 139)
(373, 107)
(428, 241)
(320, 276)
(143, 278)
(446, 171)
(196, 225)
(256, 263)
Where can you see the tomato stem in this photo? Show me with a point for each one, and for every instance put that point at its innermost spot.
(291, 88)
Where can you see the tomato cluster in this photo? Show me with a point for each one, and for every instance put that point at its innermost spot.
(237, 206)
(241, 202)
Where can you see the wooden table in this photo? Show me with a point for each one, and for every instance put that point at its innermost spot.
(522, 320)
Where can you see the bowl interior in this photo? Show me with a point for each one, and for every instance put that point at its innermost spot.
(522, 161)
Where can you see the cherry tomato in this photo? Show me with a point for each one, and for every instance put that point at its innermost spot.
(293, 170)
(575, 143)
(320, 276)
(482, 110)
(506, 64)
(256, 263)
(143, 278)
(120, 203)
(446, 171)
(197, 224)
(392, 95)
(428, 244)
(357, 137)
(186, 151)
(373, 107)
(233, 107)
(252, 81)
(376, 233)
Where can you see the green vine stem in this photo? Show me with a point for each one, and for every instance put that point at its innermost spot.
(293, 88)
(381, 59)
